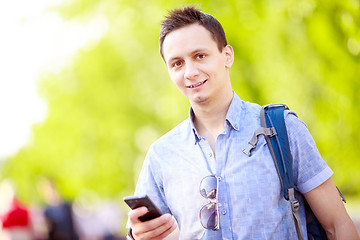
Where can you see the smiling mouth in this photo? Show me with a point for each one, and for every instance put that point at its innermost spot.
(197, 84)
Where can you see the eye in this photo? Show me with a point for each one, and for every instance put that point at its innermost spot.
(200, 56)
(176, 64)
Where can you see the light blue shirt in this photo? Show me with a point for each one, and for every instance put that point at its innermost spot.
(251, 203)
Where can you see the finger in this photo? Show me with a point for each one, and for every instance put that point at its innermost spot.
(134, 214)
(143, 230)
(172, 226)
(156, 229)
(148, 227)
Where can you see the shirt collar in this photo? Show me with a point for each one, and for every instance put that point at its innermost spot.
(232, 116)
(197, 137)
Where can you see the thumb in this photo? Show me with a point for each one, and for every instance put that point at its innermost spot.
(134, 214)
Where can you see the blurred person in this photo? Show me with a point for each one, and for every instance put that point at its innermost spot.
(95, 218)
(38, 221)
(248, 201)
(14, 215)
(58, 213)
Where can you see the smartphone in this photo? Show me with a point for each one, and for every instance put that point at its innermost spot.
(143, 201)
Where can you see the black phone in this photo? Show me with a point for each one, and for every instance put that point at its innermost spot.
(143, 201)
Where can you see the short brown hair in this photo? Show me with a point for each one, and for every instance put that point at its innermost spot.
(181, 17)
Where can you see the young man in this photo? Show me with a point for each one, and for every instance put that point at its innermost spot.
(240, 196)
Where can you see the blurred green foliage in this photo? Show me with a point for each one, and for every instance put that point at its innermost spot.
(115, 97)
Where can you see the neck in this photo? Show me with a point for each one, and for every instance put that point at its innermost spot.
(210, 117)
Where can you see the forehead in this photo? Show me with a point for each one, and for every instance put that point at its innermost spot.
(186, 39)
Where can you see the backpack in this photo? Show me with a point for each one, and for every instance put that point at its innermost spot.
(274, 129)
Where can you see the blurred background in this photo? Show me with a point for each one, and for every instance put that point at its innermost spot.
(84, 92)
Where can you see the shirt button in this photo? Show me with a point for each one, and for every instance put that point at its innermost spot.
(210, 154)
(223, 212)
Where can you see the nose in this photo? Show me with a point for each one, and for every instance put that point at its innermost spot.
(191, 70)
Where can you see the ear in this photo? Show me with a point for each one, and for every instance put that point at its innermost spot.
(228, 52)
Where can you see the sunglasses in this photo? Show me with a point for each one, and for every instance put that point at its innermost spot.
(209, 213)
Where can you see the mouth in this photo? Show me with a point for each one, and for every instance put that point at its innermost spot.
(197, 84)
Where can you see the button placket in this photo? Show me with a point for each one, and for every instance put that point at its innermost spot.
(208, 154)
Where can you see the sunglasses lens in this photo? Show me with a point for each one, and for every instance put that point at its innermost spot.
(208, 187)
(208, 216)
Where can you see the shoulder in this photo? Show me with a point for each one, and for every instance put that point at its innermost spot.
(176, 136)
(242, 113)
(244, 107)
(180, 131)
(251, 109)
(293, 122)
(250, 115)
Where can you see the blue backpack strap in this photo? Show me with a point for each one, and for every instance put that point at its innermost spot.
(279, 144)
(272, 116)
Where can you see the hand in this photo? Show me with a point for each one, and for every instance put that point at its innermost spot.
(157, 228)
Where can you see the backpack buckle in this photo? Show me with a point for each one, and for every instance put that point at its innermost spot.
(269, 132)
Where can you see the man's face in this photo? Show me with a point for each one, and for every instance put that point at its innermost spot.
(195, 64)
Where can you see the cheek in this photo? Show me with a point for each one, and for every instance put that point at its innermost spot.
(211, 66)
(176, 78)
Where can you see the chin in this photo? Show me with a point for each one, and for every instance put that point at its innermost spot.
(200, 100)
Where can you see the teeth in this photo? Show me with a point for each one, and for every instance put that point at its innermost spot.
(196, 85)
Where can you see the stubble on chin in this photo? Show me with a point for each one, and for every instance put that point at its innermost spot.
(200, 100)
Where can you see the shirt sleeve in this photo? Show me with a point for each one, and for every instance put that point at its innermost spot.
(310, 170)
(150, 181)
